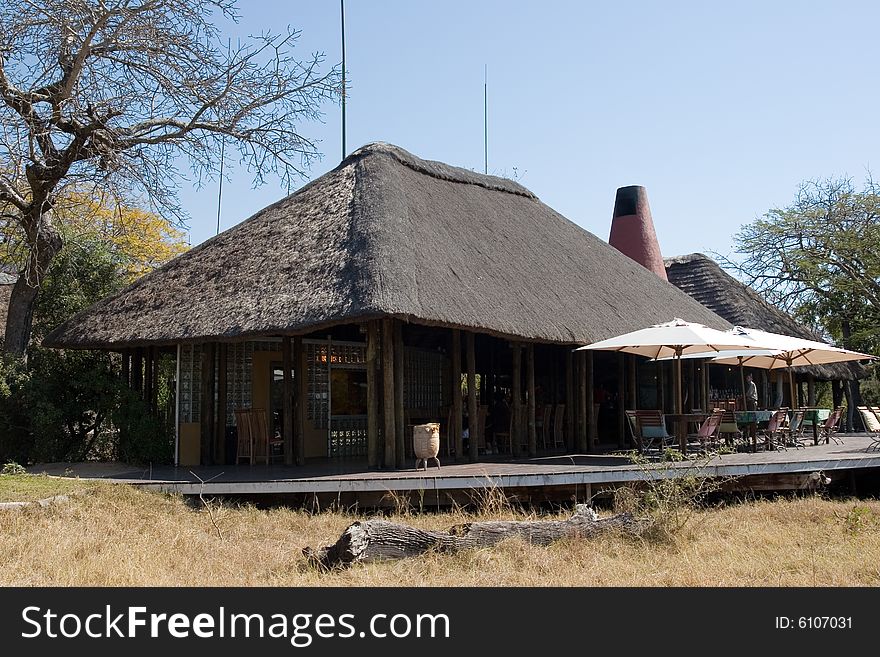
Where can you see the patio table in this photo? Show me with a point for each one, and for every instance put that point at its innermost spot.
(752, 419)
(681, 420)
(814, 416)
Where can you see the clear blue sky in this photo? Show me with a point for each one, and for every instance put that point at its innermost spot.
(719, 109)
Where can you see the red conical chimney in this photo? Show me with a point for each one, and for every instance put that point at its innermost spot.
(632, 230)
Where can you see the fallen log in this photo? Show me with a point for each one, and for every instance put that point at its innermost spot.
(377, 540)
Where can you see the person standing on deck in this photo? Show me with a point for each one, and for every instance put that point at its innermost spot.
(751, 394)
(751, 403)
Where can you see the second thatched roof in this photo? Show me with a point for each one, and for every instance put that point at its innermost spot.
(388, 234)
(704, 280)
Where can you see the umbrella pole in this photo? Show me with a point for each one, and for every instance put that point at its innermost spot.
(678, 385)
(742, 380)
(794, 402)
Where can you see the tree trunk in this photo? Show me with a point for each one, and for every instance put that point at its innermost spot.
(377, 540)
(44, 246)
(851, 388)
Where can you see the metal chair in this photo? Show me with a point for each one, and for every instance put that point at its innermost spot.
(652, 428)
(793, 434)
(829, 428)
(635, 435)
(708, 431)
(774, 432)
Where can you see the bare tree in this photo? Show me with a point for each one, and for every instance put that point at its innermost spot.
(111, 95)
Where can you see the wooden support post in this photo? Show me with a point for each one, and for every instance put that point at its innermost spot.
(299, 404)
(206, 413)
(137, 370)
(570, 441)
(582, 402)
(811, 390)
(401, 438)
(516, 394)
(492, 379)
(457, 415)
(699, 387)
(578, 409)
(590, 412)
(661, 386)
(847, 421)
(148, 378)
(707, 394)
(287, 402)
(372, 394)
(473, 410)
(581, 419)
(220, 423)
(154, 391)
(621, 400)
(126, 367)
(530, 391)
(692, 400)
(633, 385)
(677, 386)
(388, 392)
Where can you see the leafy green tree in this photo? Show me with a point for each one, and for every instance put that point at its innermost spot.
(819, 259)
(68, 405)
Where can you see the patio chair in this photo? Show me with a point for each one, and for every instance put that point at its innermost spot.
(728, 429)
(635, 435)
(828, 429)
(503, 437)
(482, 414)
(263, 442)
(245, 446)
(652, 429)
(446, 432)
(793, 434)
(546, 424)
(558, 424)
(708, 431)
(774, 432)
(871, 419)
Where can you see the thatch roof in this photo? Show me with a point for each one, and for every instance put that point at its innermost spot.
(704, 280)
(388, 234)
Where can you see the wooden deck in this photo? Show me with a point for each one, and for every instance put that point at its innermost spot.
(548, 476)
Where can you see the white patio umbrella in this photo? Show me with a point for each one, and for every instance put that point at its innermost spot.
(674, 339)
(728, 356)
(776, 351)
(791, 352)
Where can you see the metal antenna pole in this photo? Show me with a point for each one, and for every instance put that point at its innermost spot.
(220, 189)
(486, 119)
(342, 15)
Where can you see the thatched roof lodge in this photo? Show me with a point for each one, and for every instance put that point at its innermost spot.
(367, 281)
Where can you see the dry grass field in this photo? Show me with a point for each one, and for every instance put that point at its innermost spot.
(116, 535)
